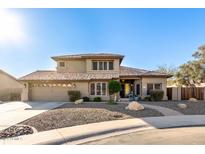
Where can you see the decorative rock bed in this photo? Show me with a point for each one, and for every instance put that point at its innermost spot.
(17, 130)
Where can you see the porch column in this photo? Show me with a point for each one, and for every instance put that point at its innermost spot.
(25, 93)
(204, 93)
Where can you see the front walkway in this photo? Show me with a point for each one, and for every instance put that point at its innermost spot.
(89, 132)
(165, 111)
(12, 113)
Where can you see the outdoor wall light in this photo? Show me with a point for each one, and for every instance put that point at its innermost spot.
(74, 85)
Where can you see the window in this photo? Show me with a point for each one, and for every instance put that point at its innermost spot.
(100, 65)
(98, 88)
(105, 65)
(62, 64)
(149, 88)
(103, 88)
(111, 65)
(92, 89)
(157, 86)
(95, 65)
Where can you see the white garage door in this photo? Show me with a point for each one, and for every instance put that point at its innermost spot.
(49, 94)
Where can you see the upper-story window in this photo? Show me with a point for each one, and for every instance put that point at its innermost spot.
(102, 65)
(111, 65)
(62, 64)
(95, 65)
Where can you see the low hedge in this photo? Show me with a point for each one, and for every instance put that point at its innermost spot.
(86, 99)
(156, 95)
(97, 99)
(74, 95)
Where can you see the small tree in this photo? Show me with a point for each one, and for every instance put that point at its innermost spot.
(114, 87)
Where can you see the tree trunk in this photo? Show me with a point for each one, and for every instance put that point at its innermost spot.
(115, 99)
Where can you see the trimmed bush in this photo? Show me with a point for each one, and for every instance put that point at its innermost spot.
(156, 95)
(74, 95)
(114, 87)
(86, 99)
(148, 98)
(97, 99)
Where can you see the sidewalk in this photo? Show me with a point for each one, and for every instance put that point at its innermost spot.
(84, 133)
(164, 110)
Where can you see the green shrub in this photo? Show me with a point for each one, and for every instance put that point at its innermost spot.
(156, 95)
(114, 87)
(97, 99)
(74, 95)
(86, 99)
(147, 98)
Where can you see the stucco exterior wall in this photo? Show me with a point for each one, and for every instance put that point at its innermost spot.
(116, 64)
(9, 85)
(176, 93)
(72, 66)
(147, 80)
(25, 92)
(7, 82)
(56, 93)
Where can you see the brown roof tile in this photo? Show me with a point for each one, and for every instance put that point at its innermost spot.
(89, 55)
(53, 75)
(129, 71)
(124, 72)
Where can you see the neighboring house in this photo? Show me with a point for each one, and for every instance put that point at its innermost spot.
(89, 74)
(10, 88)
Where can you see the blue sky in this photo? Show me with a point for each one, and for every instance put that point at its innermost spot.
(147, 37)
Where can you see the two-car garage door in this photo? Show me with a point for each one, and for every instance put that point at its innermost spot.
(49, 94)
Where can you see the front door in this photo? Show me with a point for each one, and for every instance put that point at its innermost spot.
(127, 89)
(137, 89)
(122, 92)
(127, 86)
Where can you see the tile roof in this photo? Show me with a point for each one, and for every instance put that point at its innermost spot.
(129, 71)
(53, 75)
(124, 72)
(89, 55)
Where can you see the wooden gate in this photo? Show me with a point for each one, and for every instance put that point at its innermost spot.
(192, 92)
(169, 93)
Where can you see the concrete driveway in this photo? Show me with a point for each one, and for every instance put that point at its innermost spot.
(12, 113)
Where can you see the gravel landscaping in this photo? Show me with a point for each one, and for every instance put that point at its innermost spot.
(17, 130)
(71, 115)
(192, 108)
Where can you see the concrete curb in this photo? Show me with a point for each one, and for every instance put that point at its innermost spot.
(71, 134)
(85, 133)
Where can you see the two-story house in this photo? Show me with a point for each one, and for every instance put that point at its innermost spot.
(89, 74)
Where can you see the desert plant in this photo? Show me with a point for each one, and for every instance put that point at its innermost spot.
(86, 99)
(97, 99)
(156, 95)
(114, 87)
(74, 95)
